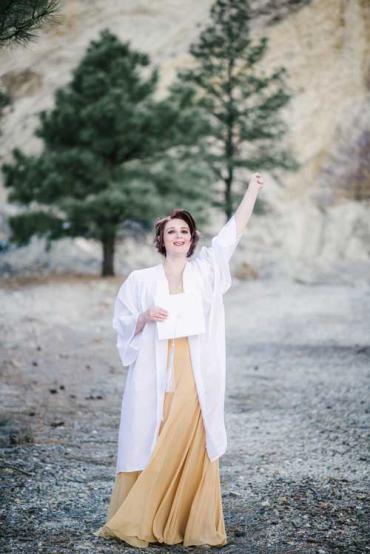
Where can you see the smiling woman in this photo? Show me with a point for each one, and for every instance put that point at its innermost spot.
(177, 229)
(175, 236)
(167, 487)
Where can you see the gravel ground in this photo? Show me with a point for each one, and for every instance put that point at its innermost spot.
(295, 474)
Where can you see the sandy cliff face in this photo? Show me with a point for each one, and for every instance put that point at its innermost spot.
(325, 46)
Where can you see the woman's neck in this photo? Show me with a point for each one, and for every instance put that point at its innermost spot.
(174, 266)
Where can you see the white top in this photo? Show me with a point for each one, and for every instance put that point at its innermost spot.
(146, 356)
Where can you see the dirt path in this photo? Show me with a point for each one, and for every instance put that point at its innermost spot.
(295, 475)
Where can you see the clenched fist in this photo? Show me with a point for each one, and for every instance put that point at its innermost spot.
(256, 181)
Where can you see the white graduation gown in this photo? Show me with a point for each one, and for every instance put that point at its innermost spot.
(146, 356)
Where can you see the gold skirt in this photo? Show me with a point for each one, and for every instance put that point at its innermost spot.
(177, 496)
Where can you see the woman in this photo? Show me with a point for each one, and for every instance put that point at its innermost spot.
(167, 488)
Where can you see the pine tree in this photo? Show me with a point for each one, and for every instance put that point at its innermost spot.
(241, 104)
(20, 19)
(112, 154)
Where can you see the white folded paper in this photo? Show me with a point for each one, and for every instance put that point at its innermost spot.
(185, 315)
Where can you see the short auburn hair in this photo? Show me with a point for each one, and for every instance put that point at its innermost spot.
(160, 226)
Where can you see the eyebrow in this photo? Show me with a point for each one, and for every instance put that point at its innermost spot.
(183, 227)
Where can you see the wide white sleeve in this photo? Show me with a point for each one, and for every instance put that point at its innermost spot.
(218, 255)
(125, 316)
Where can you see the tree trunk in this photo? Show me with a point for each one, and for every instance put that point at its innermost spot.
(108, 243)
(229, 154)
(229, 144)
(228, 206)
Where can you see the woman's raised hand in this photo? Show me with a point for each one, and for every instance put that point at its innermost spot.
(256, 181)
(155, 313)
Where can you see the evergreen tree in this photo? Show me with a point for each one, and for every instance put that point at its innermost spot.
(241, 104)
(20, 19)
(111, 155)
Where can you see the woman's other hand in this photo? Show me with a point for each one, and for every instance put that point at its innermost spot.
(155, 313)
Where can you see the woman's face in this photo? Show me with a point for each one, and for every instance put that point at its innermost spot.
(176, 237)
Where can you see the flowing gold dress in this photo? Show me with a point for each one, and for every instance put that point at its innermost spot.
(177, 496)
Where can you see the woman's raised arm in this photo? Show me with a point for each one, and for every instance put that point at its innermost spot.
(245, 208)
(223, 245)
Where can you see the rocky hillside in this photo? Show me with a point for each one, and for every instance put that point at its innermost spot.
(319, 215)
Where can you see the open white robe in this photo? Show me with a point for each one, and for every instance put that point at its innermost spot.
(146, 356)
